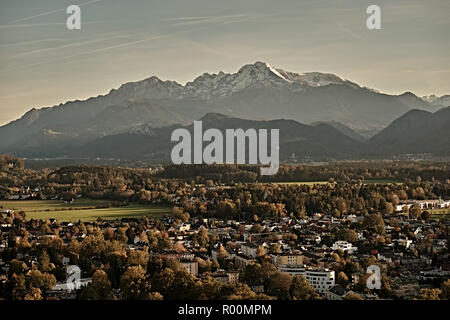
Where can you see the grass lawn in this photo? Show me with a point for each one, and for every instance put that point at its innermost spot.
(369, 181)
(439, 213)
(83, 209)
(381, 181)
(309, 183)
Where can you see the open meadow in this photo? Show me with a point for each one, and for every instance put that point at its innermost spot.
(368, 181)
(440, 213)
(83, 209)
(309, 183)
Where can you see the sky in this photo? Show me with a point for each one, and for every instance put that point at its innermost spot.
(43, 63)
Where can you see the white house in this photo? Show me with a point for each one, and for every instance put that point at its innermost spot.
(71, 286)
(344, 246)
(184, 227)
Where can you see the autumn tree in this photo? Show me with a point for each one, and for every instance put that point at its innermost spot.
(33, 294)
(300, 289)
(353, 296)
(374, 222)
(342, 278)
(445, 290)
(260, 251)
(17, 287)
(429, 294)
(99, 289)
(178, 213)
(278, 284)
(135, 284)
(44, 262)
(275, 248)
(414, 211)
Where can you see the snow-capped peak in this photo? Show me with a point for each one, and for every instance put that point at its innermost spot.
(257, 75)
(318, 79)
(275, 71)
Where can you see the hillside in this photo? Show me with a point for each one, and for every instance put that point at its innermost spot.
(417, 131)
(319, 142)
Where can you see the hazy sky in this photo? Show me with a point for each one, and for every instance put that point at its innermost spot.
(42, 63)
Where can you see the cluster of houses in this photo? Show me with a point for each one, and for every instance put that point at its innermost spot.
(423, 204)
(22, 193)
(308, 254)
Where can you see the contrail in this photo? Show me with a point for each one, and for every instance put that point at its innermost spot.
(351, 33)
(7, 26)
(28, 25)
(53, 11)
(74, 44)
(32, 42)
(224, 19)
(92, 51)
(126, 44)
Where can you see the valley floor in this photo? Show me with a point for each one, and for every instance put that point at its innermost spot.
(83, 209)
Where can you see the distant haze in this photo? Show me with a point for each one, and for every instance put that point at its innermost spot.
(42, 63)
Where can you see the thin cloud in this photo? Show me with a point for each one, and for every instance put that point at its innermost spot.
(440, 71)
(203, 20)
(224, 19)
(121, 45)
(8, 26)
(28, 25)
(351, 33)
(126, 44)
(24, 43)
(75, 44)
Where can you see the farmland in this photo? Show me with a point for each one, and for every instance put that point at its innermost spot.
(440, 213)
(368, 181)
(83, 209)
(309, 183)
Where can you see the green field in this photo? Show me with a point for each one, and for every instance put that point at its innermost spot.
(309, 183)
(83, 209)
(369, 181)
(381, 181)
(440, 213)
(437, 214)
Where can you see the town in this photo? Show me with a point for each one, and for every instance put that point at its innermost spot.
(228, 241)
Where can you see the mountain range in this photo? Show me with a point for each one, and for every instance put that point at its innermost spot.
(319, 142)
(415, 132)
(343, 116)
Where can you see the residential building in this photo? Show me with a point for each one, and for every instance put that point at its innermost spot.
(287, 259)
(344, 246)
(249, 249)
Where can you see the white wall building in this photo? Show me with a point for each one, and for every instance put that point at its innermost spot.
(344, 246)
(184, 227)
(320, 279)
